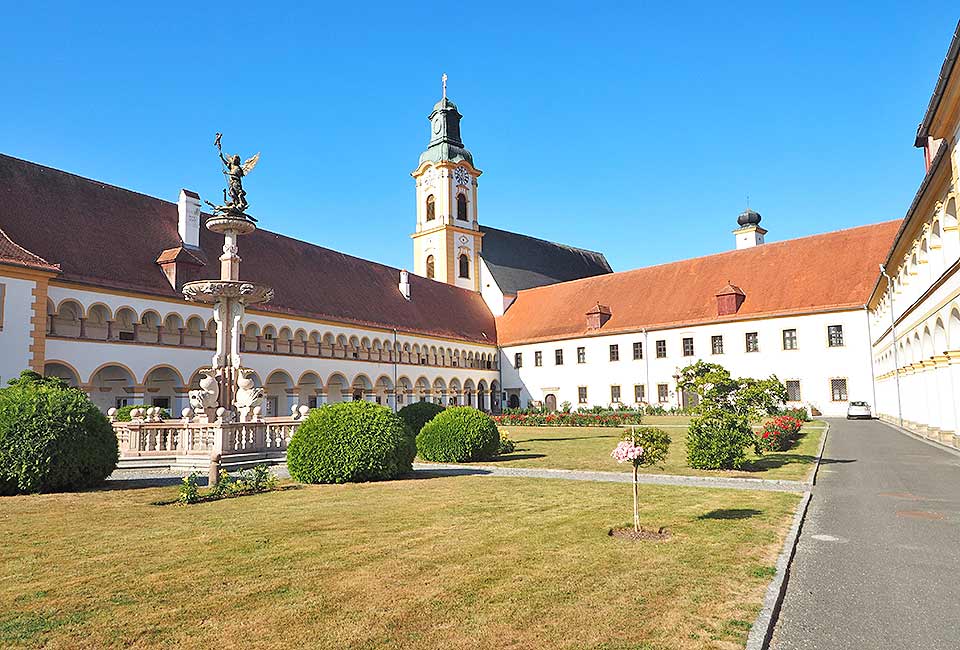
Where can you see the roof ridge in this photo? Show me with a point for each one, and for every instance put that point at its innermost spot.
(547, 241)
(712, 255)
(88, 179)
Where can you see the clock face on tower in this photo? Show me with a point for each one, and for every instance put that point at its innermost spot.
(461, 176)
(437, 125)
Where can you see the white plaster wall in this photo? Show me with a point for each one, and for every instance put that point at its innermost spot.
(15, 335)
(490, 291)
(813, 363)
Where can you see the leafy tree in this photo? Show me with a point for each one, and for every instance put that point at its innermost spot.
(721, 431)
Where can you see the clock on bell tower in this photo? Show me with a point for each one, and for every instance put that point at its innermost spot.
(446, 243)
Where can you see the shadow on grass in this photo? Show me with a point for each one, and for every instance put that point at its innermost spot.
(773, 461)
(731, 513)
(509, 457)
(441, 472)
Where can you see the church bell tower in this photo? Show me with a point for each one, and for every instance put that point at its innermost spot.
(446, 244)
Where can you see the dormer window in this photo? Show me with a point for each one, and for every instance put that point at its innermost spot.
(462, 207)
(431, 209)
(464, 266)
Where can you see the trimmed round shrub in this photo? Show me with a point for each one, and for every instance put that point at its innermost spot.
(418, 414)
(458, 435)
(350, 442)
(718, 440)
(52, 438)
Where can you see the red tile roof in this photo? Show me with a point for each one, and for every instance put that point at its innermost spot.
(830, 271)
(109, 237)
(16, 255)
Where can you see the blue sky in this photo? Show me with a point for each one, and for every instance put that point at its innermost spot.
(637, 129)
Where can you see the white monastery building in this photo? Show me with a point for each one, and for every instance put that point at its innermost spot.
(91, 278)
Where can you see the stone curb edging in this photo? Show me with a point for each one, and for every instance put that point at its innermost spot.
(617, 477)
(762, 630)
(917, 436)
(816, 467)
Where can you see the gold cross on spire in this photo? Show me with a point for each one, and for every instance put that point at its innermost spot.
(444, 80)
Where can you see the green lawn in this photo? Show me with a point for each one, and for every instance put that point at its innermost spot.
(456, 562)
(589, 449)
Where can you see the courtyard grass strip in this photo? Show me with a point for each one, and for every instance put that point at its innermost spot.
(588, 449)
(458, 562)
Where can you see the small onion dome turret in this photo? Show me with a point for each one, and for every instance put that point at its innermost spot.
(749, 218)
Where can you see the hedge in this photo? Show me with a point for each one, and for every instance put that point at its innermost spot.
(350, 442)
(541, 419)
(123, 413)
(52, 438)
(418, 414)
(459, 435)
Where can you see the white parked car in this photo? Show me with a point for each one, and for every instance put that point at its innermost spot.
(859, 410)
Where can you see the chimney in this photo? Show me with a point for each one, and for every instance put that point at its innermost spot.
(749, 234)
(189, 223)
(729, 299)
(598, 316)
(405, 284)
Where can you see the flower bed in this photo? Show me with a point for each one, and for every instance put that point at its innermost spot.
(568, 419)
(780, 433)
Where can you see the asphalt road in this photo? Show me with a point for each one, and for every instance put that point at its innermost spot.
(878, 561)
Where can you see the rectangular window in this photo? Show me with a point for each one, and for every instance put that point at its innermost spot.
(538, 358)
(518, 360)
(835, 336)
(688, 347)
(753, 342)
(312, 400)
(122, 401)
(614, 394)
(125, 336)
(582, 394)
(789, 339)
(581, 355)
(558, 357)
(663, 392)
(838, 390)
(637, 350)
(661, 349)
(614, 352)
(716, 344)
(639, 393)
(793, 390)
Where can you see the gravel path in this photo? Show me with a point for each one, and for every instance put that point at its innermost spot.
(145, 478)
(613, 477)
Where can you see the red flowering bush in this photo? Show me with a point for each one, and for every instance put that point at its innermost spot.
(779, 433)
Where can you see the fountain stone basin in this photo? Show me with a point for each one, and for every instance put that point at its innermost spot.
(211, 291)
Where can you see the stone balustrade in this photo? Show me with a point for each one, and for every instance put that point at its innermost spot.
(195, 440)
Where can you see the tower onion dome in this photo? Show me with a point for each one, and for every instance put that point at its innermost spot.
(749, 218)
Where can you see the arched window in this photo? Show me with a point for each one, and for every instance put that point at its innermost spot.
(431, 208)
(430, 266)
(462, 207)
(464, 266)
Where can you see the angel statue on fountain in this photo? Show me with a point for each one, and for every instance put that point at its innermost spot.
(234, 197)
